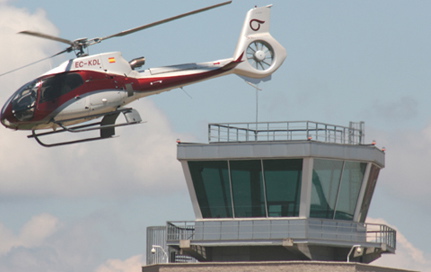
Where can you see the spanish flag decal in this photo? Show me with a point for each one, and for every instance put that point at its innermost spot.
(111, 60)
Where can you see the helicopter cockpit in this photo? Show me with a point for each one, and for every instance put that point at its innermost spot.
(24, 100)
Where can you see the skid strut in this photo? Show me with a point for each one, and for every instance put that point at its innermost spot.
(106, 126)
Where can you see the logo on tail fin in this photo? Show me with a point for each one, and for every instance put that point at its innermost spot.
(253, 25)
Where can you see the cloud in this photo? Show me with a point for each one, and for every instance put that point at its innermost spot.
(407, 159)
(19, 50)
(38, 229)
(135, 163)
(46, 244)
(32, 234)
(407, 256)
(7, 238)
(142, 162)
(115, 265)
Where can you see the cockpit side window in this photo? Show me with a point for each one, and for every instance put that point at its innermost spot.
(24, 101)
(58, 85)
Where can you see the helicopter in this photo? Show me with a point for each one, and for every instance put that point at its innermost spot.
(71, 96)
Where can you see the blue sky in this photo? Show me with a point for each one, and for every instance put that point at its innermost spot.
(86, 207)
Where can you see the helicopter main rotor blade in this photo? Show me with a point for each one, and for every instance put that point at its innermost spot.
(130, 31)
(80, 44)
(46, 36)
(27, 65)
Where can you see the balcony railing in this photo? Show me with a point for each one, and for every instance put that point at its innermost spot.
(273, 231)
(286, 131)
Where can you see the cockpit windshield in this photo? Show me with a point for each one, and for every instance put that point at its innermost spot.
(24, 100)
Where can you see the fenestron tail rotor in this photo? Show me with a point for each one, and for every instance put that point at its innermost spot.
(260, 55)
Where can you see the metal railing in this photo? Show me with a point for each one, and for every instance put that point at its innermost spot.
(382, 234)
(286, 131)
(183, 230)
(323, 231)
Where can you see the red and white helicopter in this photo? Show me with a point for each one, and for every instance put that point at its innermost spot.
(100, 86)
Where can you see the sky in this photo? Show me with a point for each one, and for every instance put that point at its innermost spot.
(86, 207)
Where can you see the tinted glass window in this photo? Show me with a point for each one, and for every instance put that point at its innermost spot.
(351, 183)
(325, 183)
(24, 100)
(58, 85)
(283, 186)
(211, 182)
(335, 188)
(242, 189)
(247, 188)
(369, 191)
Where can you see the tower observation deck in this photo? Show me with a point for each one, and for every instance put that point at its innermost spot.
(280, 191)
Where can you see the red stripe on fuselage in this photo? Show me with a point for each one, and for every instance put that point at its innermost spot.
(169, 82)
(99, 81)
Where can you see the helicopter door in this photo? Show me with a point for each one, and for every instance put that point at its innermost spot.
(58, 85)
(54, 87)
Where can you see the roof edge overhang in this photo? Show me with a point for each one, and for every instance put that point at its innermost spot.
(280, 150)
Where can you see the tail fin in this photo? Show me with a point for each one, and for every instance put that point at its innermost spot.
(262, 54)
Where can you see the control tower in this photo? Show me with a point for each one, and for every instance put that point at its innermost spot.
(278, 191)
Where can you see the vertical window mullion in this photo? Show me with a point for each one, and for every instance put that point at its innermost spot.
(264, 188)
(360, 199)
(231, 189)
(338, 191)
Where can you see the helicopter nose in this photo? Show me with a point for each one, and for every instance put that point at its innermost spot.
(6, 117)
(5, 121)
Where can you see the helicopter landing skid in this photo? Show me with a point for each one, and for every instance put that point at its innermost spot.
(106, 126)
